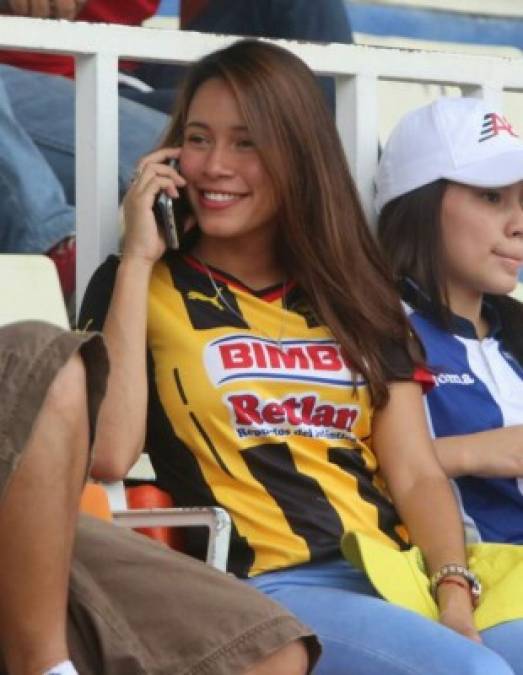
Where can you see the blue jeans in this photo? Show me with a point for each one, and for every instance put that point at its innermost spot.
(44, 107)
(365, 635)
(34, 214)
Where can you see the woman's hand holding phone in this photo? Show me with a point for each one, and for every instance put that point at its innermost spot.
(171, 214)
(153, 175)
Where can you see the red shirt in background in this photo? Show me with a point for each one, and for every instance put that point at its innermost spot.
(190, 9)
(127, 12)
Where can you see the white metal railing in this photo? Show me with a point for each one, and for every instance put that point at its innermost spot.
(358, 71)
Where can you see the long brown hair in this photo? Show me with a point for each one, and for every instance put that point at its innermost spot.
(326, 243)
(409, 231)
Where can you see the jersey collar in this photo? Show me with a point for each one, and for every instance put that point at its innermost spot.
(268, 294)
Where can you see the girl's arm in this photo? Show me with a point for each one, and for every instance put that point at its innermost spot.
(121, 426)
(422, 495)
(494, 453)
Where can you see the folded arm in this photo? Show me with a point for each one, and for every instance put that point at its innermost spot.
(496, 453)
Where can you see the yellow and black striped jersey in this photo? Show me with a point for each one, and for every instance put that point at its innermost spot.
(253, 408)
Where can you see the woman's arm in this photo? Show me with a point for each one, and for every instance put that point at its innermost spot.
(422, 495)
(120, 430)
(496, 453)
(121, 426)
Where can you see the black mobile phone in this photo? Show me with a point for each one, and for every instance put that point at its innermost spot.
(171, 214)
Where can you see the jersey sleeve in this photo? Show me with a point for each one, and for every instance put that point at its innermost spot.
(400, 367)
(95, 303)
(423, 376)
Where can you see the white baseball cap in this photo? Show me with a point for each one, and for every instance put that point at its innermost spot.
(461, 139)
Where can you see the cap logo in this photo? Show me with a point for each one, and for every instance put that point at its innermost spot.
(494, 124)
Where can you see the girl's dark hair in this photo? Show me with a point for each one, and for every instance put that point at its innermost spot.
(410, 235)
(325, 241)
(409, 231)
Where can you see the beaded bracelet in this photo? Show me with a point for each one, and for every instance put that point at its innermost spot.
(455, 570)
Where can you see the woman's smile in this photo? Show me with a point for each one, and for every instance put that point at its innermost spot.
(228, 185)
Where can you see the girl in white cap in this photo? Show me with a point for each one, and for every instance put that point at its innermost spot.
(450, 203)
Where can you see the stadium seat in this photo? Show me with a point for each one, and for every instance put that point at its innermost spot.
(150, 511)
(95, 502)
(33, 290)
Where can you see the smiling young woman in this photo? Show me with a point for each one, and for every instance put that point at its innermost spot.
(269, 367)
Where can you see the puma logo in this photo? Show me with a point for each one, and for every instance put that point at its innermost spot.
(213, 299)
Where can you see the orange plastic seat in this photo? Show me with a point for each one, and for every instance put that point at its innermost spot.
(95, 502)
(151, 497)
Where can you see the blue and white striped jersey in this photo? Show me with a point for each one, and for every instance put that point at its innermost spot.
(479, 386)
